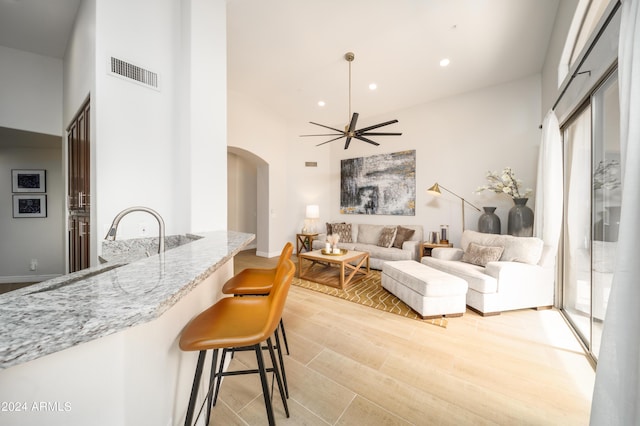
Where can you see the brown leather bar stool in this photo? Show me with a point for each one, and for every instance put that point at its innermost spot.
(258, 282)
(239, 322)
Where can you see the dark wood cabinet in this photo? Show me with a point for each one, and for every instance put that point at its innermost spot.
(79, 242)
(79, 189)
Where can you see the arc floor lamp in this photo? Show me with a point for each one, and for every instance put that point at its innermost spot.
(435, 190)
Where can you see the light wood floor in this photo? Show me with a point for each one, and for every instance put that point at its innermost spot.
(354, 365)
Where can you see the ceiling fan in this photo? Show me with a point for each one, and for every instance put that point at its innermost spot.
(350, 132)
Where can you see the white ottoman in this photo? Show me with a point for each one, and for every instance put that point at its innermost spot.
(429, 292)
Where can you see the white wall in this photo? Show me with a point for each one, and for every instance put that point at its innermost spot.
(23, 239)
(252, 127)
(550, 83)
(30, 92)
(80, 63)
(457, 140)
(134, 124)
(204, 129)
(164, 149)
(309, 185)
(31, 100)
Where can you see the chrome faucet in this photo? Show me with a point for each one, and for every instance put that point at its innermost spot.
(111, 235)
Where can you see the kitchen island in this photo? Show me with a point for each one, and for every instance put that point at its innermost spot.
(100, 346)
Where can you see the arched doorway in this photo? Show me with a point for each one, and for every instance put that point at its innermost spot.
(248, 196)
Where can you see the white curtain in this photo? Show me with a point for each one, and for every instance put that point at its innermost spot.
(616, 396)
(548, 207)
(576, 242)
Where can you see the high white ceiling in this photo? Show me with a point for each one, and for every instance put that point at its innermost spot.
(289, 54)
(37, 26)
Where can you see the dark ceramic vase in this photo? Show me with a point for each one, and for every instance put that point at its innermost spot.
(489, 222)
(520, 219)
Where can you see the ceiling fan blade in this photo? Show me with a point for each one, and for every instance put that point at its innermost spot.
(327, 127)
(375, 126)
(324, 134)
(351, 131)
(354, 120)
(331, 140)
(366, 140)
(347, 142)
(378, 134)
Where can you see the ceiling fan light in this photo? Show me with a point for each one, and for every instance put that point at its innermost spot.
(373, 86)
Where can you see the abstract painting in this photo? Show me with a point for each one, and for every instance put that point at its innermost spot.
(379, 184)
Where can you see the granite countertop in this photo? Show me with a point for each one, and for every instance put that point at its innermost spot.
(72, 309)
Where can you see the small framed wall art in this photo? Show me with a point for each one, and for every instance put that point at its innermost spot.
(28, 181)
(29, 206)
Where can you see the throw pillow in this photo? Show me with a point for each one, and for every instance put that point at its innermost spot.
(330, 228)
(369, 234)
(342, 229)
(387, 236)
(481, 255)
(402, 235)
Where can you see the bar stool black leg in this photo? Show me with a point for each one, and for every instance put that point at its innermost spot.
(284, 374)
(222, 360)
(265, 384)
(212, 377)
(278, 377)
(194, 388)
(284, 336)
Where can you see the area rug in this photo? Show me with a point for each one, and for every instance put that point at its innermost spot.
(369, 292)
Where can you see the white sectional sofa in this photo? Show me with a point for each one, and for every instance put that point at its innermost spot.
(366, 237)
(518, 272)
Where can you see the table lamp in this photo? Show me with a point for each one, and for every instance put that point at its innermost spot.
(312, 214)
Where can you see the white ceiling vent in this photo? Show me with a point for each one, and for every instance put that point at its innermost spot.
(134, 73)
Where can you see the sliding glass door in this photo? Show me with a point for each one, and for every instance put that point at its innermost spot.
(576, 300)
(592, 211)
(606, 196)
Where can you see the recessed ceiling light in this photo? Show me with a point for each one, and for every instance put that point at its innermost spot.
(444, 62)
(373, 86)
(321, 103)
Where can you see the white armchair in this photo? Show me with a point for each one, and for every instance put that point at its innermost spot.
(521, 276)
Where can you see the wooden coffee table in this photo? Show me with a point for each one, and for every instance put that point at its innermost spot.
(334, 270)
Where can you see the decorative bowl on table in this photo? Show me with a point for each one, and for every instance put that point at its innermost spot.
(331, 253)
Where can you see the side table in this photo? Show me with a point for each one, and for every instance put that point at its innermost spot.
(305, 241)
(427, 247)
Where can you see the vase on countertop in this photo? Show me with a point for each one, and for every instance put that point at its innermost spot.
(489, 222)
(520, 223)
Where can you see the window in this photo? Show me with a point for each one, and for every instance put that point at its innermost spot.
(585, 19)
(592, 187)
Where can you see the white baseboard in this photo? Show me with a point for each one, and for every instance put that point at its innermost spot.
(267, 254)
(27, 278)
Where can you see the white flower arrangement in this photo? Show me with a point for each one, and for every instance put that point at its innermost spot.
(505, 183)
(333, 239)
